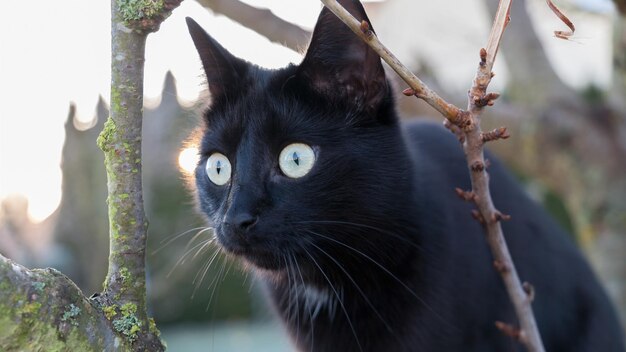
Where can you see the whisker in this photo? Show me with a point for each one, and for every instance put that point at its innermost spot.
(308, 309)
(206, 244)
(197, 235)
(169, 241)
(204, 271)
(214, 283)
(388, 273)
(370, 227)
(184, 256)
(355, 285)
(343, 307)
(295, 286)
(289, 289)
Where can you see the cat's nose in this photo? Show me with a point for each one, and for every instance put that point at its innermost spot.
(242, 221)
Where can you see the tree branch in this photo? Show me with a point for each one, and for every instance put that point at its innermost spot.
(125, 286)
(262, 21)
(474, 140)
(474, 151)
(42, 310)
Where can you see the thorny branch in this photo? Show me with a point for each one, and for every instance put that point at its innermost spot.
(466, 126)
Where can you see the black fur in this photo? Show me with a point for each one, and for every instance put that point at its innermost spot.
(372, 250)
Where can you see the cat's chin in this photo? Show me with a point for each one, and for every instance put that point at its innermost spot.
(256, 259)
(269, 263)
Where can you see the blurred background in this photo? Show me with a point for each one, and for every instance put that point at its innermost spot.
(564, 102)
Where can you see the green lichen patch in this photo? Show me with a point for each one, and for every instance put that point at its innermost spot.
(128, 324)
(31, 308)
(134, 10)
(125, 275)
(70, 315)
(110, 311)
(108, 131)
(39, 286)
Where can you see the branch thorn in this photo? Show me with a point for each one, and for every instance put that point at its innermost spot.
(408, 92)
(510, 331)
(487, 99)
(483, 56)
(530, 291)
(476, 215)
(500, 266)
(497, 216)
(498, 133)
(467, 196)
(365, 28)
(478, 166)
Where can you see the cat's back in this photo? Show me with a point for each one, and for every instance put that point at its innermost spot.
(572, 310)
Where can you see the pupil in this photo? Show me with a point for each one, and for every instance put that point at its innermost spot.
(218, 167)
(296, 159)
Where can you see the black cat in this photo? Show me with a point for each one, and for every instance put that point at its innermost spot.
(350, 219)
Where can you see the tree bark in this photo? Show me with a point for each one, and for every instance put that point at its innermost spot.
(44, 310)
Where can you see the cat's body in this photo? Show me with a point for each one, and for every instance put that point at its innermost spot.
(460, 293)
(350, 217)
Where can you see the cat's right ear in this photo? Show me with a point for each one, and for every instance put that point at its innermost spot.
(224, 72)
(339, 64)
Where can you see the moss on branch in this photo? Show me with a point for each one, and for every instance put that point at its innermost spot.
(145, 15)
(43, 310)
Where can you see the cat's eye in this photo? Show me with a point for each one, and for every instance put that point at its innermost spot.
(296, 160)
(218, 169)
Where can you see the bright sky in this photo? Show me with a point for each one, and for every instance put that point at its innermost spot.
(54, 52)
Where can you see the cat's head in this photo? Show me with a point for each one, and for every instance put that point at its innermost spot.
(305, 161)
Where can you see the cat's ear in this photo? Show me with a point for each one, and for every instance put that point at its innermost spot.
(339, 64)
(224, 72)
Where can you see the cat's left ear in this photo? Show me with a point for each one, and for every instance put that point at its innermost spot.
(224, 72)
(339, 64)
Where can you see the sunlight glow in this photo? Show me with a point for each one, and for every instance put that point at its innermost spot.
(188, 159)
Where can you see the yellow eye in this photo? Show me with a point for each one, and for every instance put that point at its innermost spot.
(296, 160)
(218, 169)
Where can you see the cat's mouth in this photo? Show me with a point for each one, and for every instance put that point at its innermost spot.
(253, 253)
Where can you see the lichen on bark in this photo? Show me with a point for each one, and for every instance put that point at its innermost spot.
(42, 310)
(144, 15)
(132, 10)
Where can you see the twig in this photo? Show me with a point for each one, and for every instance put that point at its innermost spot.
(474, 140)
(473, 146)
(562, 34)
(418, 88)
